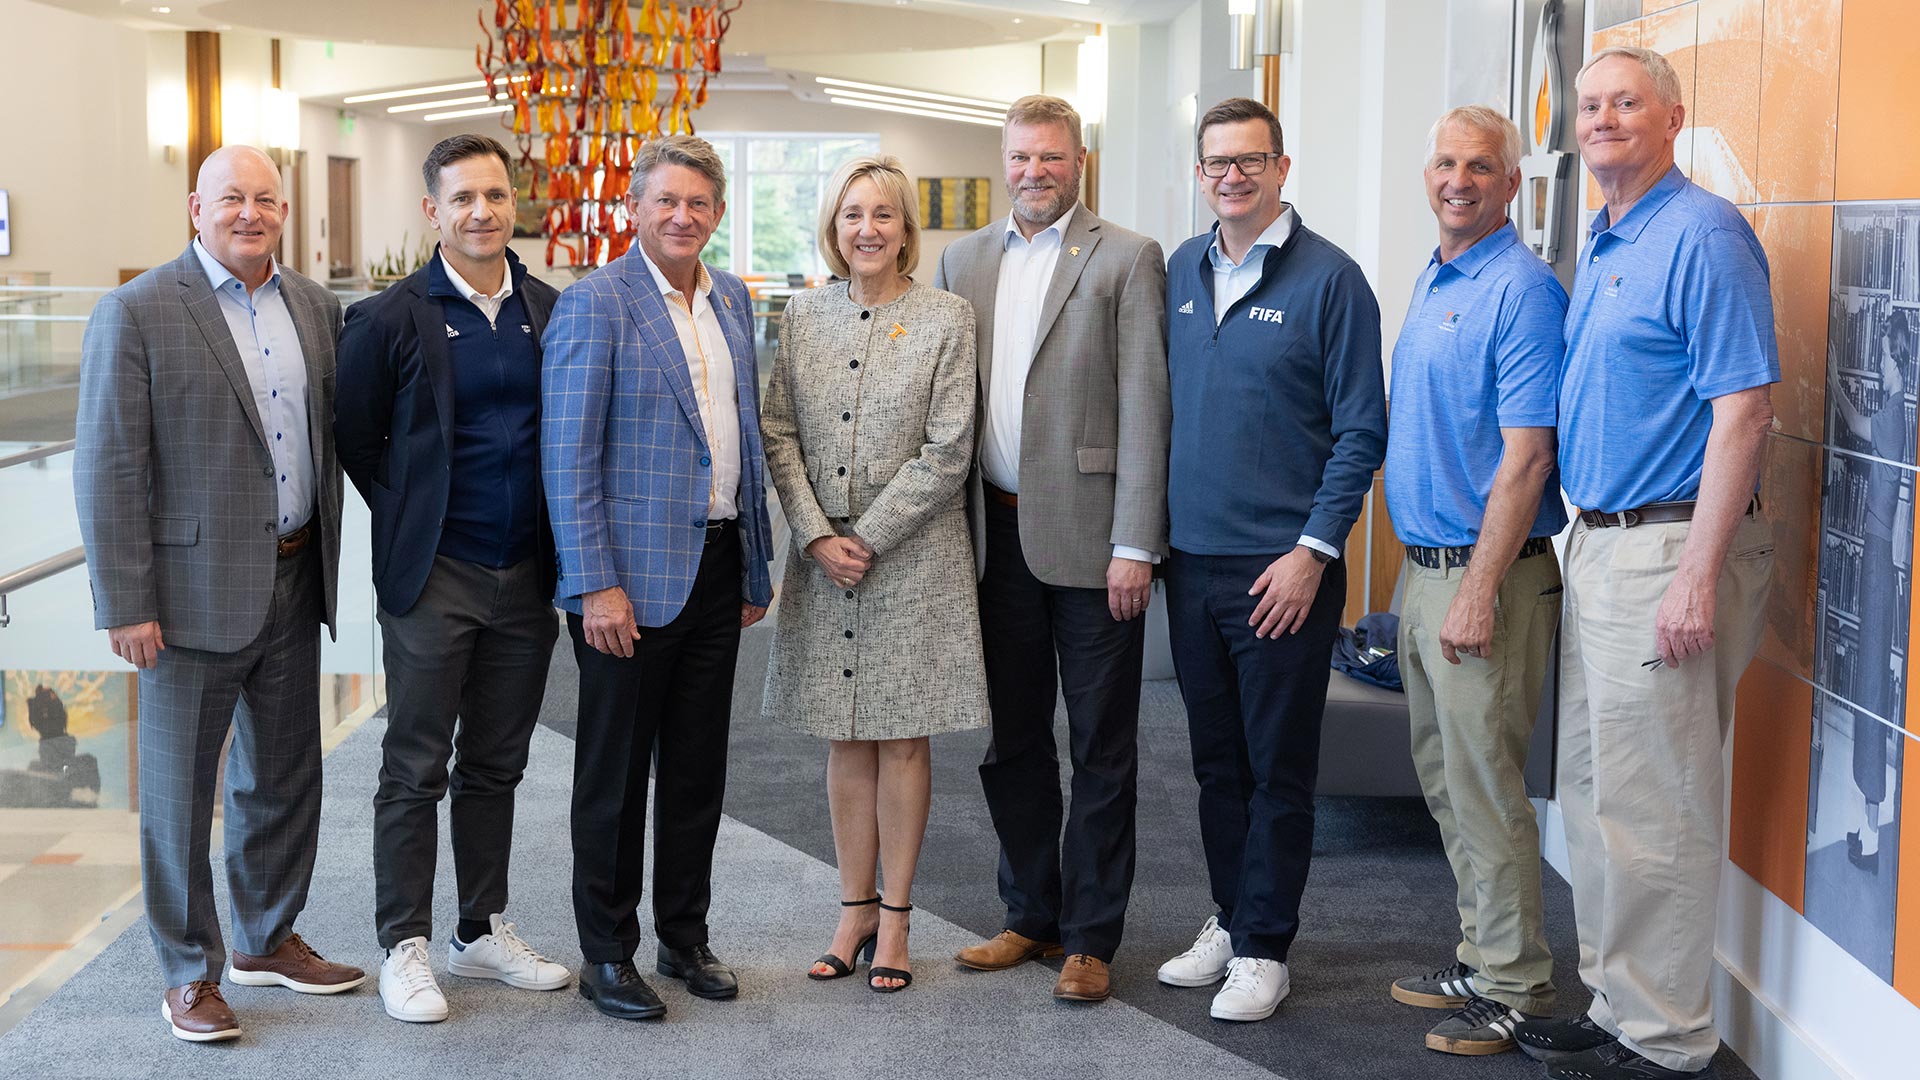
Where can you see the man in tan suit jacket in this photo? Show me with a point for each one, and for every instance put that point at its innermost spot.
(1069, 514)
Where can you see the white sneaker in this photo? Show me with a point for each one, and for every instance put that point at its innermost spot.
(502, 955)
(407, 988)
(1203, 964)
(1254, 989)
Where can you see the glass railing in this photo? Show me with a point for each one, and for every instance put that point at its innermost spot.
(69, 753)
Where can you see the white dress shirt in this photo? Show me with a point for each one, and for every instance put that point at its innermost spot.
(1026, 273)
(1232, 280)
(710, 365)
(263, 332)
(488, 305)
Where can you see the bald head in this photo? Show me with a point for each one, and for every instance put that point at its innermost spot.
(237, 210)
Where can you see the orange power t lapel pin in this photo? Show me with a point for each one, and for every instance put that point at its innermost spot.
(896, 331)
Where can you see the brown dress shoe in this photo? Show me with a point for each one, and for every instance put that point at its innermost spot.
(1004, 950)
(1084, 978)
(295, 966)
(197, 1013)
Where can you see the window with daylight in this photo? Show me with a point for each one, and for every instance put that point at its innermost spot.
(774, 185)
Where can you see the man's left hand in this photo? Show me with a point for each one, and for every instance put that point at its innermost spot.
(1129, 588)
(1468, 629)
(1683, 626)
(750, 614)
(1289, 585)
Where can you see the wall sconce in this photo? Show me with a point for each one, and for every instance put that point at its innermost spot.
(279, 121)
(1092, 88)
(167, 119)
(1240, 26)
(1270, 29)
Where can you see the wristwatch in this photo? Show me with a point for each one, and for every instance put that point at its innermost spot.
(1319, 556)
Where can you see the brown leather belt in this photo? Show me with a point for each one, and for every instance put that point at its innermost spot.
(1660, 513)
(296, 541)
(1004, 498)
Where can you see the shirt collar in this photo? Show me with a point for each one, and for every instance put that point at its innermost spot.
(702, 283)
(1274, 235)
(1058, 228)
(1628, 228)
(468, 292)
(1483, 251)
(219, 275)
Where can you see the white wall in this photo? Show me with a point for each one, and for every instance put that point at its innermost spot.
(387, 202)
(88, 190)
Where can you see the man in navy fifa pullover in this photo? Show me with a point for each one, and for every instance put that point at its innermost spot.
(1279, 421)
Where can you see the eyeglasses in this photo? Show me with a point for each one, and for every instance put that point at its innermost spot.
(1250, 164)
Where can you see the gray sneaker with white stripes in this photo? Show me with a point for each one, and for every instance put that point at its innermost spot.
(1448, 988)
(1482, 1026)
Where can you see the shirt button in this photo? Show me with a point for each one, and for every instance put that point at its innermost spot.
(276, 436)
(269, 352)
(842, 470)
(1436, 288)
(283, 478)
(276, 393)
(853, 363)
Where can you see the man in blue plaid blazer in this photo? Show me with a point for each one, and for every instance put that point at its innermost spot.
(650, 448)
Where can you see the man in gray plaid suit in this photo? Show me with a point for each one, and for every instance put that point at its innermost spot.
(209, 501)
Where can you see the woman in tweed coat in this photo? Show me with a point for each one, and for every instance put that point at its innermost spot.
(869, 437)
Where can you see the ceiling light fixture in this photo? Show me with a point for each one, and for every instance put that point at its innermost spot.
(458, 113)
(417, 91)
(836, 94)
(911, 111)
(422, 106)
(998, 106)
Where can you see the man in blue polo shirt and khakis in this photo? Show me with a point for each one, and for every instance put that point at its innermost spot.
(1279, 420)
(1470, 471)
(1664, 413)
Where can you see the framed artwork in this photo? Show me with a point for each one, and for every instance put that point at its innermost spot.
(955, 203)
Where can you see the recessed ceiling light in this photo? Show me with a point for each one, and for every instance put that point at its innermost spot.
(161, 10)
(1016, 21)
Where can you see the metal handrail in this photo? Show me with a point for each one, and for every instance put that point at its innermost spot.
(36, 572)
(35, 454)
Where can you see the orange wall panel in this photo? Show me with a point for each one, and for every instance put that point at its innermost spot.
(1878, 156)
(1674, 35)
(1772, 737)
(1626, 33)
(1799, 94)
(1799, 244)
(1790, 501)
(1726, 98)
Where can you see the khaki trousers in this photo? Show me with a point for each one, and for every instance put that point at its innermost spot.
(1641, 779)
(1471, 725)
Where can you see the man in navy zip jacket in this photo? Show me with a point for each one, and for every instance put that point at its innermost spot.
(1279, 421)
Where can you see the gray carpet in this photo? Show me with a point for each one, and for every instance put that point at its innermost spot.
(105, 1021)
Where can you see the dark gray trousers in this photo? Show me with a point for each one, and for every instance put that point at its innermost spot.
(268, 693)
(466, 673)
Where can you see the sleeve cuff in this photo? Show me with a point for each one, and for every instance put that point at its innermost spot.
(1122, 551)
(1321, 546)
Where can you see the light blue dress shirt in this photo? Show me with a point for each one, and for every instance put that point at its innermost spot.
(263, 332)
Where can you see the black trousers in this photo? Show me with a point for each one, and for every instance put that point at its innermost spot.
(476, 646)
(669, 705)
(1039, 639)
(1254, 708)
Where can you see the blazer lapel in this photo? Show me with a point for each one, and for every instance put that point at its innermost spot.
(430, 323)
(648, 310)
(204, 307)
(1076, 250)
(308, 328)
(983, 285)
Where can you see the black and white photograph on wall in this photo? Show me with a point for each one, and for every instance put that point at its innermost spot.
(1853, 831)
(1873, 331)
(1865, 585)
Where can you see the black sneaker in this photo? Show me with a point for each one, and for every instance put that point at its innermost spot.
(1482, 1026)
(1551, 1040)
(1615, 1062)
(1449, 988)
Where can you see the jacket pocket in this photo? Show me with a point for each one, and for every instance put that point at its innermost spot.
(175, 531)
(1098, 459)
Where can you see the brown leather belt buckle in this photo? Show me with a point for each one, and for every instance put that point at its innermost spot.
(1004, 498)
(295, 542)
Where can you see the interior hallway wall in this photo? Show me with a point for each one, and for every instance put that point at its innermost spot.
(88, 198)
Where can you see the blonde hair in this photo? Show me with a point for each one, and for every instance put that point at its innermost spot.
(1042, 109)
(1489, 122)
(1666, 83)
(885, 172)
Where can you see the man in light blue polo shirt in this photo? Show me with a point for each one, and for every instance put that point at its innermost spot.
(1664, 413)
(1476, 374)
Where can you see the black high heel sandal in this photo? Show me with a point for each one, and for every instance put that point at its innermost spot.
(905, 977)
(842, 968)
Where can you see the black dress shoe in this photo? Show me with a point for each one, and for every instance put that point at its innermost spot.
(618, 991)
(705, 975)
